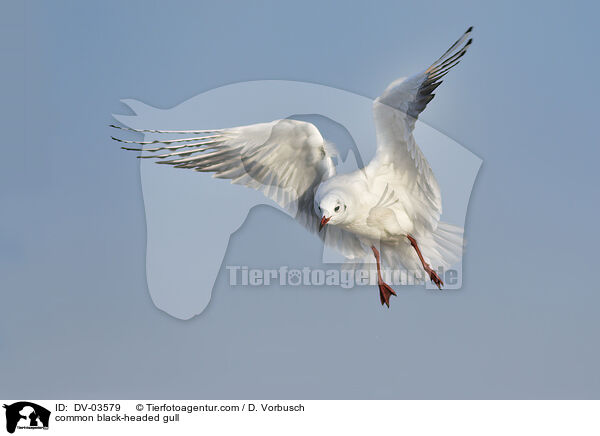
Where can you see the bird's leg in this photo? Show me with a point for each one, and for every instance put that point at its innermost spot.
(432, 274)
(385, 291)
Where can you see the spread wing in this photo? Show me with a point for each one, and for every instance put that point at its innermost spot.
(284, 159)
(395, 112)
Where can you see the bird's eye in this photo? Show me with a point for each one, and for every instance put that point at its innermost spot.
(337, 209)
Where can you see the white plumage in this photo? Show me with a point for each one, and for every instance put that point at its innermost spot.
(391, 207)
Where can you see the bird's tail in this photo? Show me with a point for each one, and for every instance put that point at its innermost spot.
(442, 248)
(445, 247)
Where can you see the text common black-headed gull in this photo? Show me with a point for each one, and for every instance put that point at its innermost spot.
(390, 208)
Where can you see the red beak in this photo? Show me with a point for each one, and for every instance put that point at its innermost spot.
(324, 221)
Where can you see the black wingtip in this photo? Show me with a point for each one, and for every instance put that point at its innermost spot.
(470, 29)
(468, 43)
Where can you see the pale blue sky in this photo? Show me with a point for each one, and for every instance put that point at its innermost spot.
(75, 315)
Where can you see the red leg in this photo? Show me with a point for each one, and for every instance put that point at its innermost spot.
(385, 291)
(432, 274)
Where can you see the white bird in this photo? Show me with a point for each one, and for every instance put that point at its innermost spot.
(391, 207)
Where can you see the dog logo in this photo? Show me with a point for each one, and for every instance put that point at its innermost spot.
(26, 415)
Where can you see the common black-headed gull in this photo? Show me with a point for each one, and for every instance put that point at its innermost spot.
(390, 208)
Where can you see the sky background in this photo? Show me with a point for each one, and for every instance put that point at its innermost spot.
(76, 318)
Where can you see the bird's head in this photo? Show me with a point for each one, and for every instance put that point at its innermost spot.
(332, 209)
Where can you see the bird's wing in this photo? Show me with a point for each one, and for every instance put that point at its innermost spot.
(395, 112)
(285, 159)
